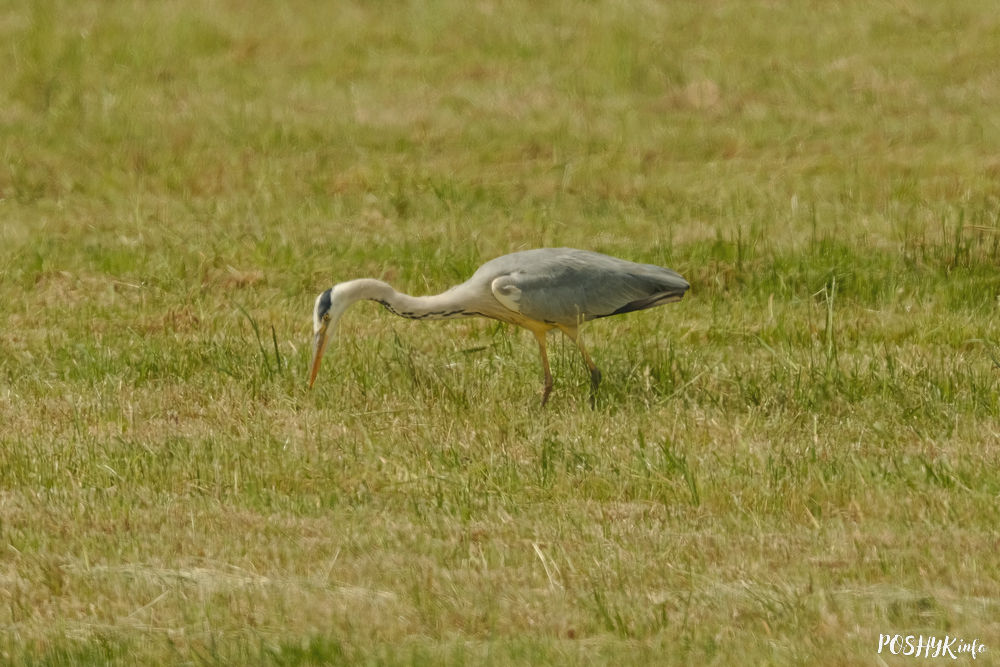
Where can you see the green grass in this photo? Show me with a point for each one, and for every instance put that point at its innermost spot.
(799, 456)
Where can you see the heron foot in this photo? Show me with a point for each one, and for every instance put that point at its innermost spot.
(545, 392)
(595, 378)
(595, 381)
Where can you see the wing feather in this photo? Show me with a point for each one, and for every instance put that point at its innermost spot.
(564, 286)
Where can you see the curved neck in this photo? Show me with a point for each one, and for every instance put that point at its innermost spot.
(440, 306)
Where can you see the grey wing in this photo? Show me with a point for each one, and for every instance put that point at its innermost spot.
(570, 286)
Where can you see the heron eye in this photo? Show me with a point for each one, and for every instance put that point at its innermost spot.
(326, 317)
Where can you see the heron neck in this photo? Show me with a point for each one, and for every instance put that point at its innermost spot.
(439, 306)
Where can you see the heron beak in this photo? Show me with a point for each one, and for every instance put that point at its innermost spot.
(319, 346)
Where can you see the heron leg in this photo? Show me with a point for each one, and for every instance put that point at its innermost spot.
(547, 389)
(595, 373)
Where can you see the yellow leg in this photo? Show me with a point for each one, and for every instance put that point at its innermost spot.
(547, 389)
(595, 372)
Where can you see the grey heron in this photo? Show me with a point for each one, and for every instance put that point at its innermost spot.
(540, 290)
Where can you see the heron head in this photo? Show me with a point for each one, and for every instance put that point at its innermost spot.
(323, 315)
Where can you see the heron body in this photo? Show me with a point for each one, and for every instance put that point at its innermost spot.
(539, 290)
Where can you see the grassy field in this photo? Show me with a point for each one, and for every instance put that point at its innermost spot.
(800, 456)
